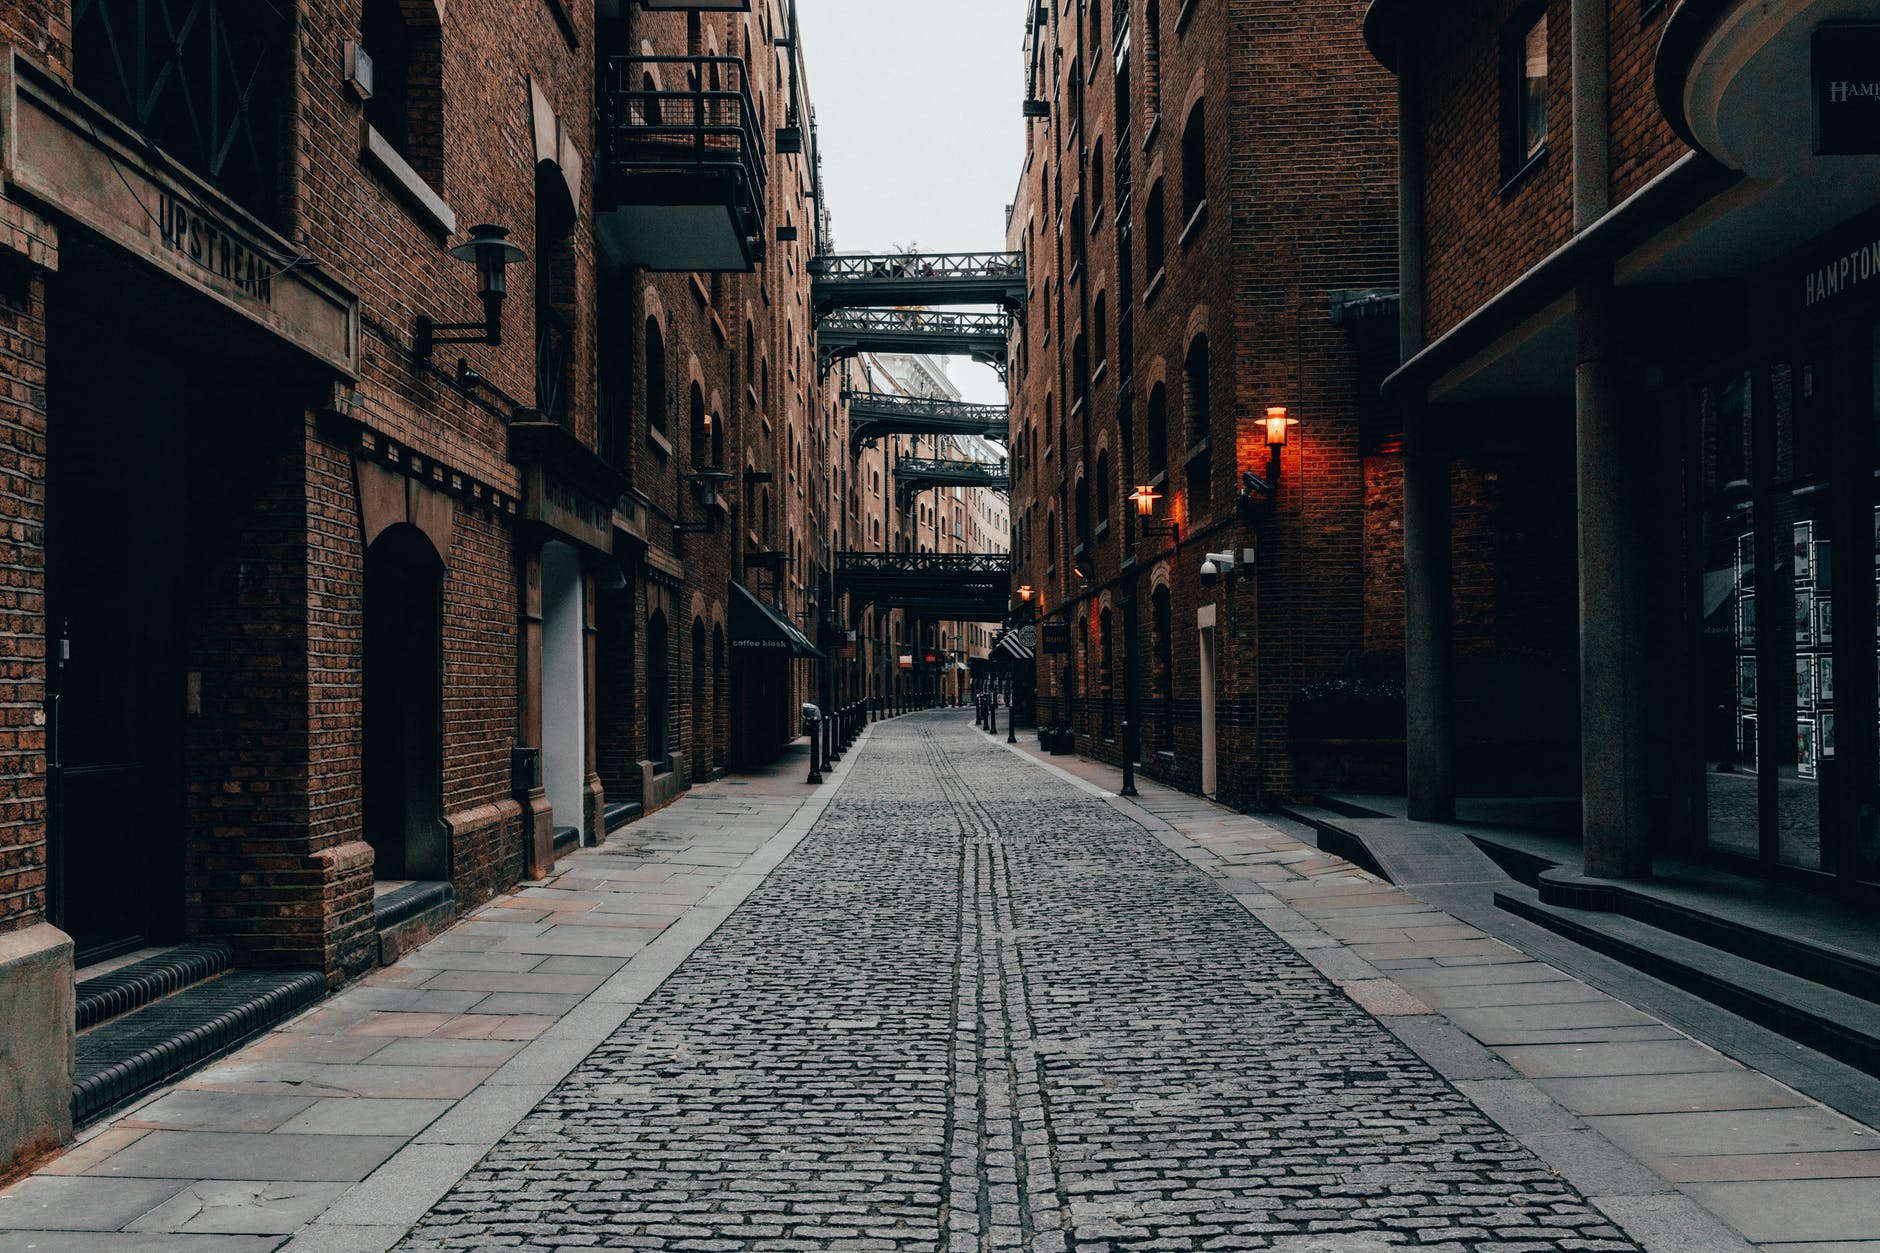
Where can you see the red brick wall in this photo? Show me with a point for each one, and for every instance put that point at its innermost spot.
(1643, 145)
(22, 598)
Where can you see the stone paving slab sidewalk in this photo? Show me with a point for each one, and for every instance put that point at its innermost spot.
(1656, 1128)
(346, 1123)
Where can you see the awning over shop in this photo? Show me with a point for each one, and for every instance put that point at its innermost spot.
(757, 628)
(1016, 644)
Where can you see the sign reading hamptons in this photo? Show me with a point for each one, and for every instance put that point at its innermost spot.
(1847, 89)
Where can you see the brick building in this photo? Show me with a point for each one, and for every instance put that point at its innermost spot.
(1638, 348)
(430, 467)
(1206, 216)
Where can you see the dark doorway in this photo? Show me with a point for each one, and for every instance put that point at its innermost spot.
(403, 695)
(701, 729)
(658, 689)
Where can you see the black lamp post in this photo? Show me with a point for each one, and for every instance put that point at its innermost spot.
(489, 249)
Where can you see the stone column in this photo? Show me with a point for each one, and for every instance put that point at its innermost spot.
(1429, 759)
(1614, 753)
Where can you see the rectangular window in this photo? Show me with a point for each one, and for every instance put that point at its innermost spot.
(1524, 95)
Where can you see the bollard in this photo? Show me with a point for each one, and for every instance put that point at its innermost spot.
(815, 753)
(1011, 725)
(992, 720)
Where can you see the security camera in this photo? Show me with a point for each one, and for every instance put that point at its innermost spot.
(1214, 566)
(1209, 572)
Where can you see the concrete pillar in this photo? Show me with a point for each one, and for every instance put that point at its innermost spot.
(1614, 752)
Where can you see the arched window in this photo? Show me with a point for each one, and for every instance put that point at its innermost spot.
(1154, 231)
(698, 428)
(1194, 162)
(656, 404)
(1103, 489)
(1080, 369)
(1096, 184)
(1050, 541)
(1196, 408)
(1083, 510)
(1107, 671)
(554, 293)
(700, 747)
(1157, 433)
(1100, 324)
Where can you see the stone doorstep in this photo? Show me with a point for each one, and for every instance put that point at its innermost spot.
(1620, 1083)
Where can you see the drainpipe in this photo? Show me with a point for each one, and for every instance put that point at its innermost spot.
(1614, 754)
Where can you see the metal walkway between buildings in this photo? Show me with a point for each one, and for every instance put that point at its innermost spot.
(873, 415)
(981, 336)
(970, 587)
(884, 280)
(913, 475)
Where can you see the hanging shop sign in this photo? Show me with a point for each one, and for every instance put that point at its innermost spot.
(1054, 637)
(83, 162)
(1846, 62)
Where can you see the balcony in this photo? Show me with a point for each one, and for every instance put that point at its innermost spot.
(682, 173)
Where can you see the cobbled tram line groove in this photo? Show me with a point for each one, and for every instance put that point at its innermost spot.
(979, 1009)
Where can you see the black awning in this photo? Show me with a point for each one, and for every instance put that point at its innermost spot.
(757, 628)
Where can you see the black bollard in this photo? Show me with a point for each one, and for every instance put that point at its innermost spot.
(815, 753)
(992, 720)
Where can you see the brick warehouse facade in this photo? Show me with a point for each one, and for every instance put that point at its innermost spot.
(312, 637)
(1206, 214)
(1636, 348)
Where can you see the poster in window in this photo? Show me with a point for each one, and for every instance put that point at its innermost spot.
(1804, 617)
(1804, 683)
(1746, 682)
(1746, 742)
(1827, 736)
(1824, 679)
(1803, 554)
(1824, 619)
(1805, 760)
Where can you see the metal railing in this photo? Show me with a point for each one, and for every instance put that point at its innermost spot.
(917, 321)
(919, 265)
(683, 116)
(852, 565)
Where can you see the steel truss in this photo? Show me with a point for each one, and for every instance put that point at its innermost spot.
(873, 415)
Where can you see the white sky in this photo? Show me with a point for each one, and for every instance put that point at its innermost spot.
(917, 113)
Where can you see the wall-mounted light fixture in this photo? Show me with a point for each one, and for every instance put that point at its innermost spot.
(1277, 424)
(1024, 592)
(1144, 498)
(708, 481)
(489, 249)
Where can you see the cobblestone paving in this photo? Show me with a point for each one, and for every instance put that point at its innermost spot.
(978, 1009)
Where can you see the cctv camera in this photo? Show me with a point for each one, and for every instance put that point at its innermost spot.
(1209, 572)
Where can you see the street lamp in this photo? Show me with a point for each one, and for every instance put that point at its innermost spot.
(1144, 498)
(1277, 423)
(707, 480)
(489, 249)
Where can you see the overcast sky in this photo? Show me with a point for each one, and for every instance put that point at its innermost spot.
(917, 113)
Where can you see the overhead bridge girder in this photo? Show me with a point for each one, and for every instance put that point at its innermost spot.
(885, 280)
(872, 416)
(913, 475)
(971, 587)
(981, 336)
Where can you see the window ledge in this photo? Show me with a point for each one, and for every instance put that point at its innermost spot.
(1195, 222)
(1096, 217)
(1511, 184)
(1197, 449)
(1181, 18)
(1155, 286)
(698, 290)
(1103, 368)
(1103, 529)
(658, 440)
(1154, 129)
(564, 20)
(378, 152)
(1077, 271)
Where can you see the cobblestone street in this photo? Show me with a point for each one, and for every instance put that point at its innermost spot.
(979, 1009)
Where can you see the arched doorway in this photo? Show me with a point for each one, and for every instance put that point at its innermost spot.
(403, 699)
(702, 716)
(658, 692)
(564, 686)
(721, 707)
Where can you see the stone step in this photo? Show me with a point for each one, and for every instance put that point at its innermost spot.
(567, 839)
(621, 813)
(106, 996)
(174, 1034)
(1826, 1019)
(407, 916)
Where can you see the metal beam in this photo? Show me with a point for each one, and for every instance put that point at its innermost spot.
(848, 332)
(886, 280)
(873, 415)
(949, 586)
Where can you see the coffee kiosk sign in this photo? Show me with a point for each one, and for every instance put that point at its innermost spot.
(1846, 59)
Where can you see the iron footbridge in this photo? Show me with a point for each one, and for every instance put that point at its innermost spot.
(873, 415)
(948, 587)
(885, 280)
(913, 475)
(848, 332)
